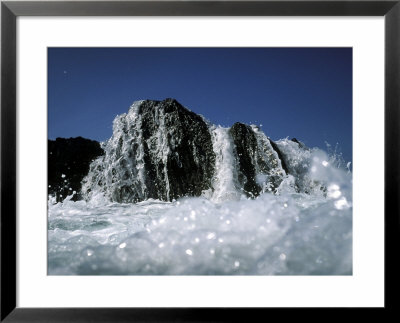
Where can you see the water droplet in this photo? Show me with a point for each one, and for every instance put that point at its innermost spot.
(282, 256)
(189, 252)
(122, 245)
(211, 235)
(237, 263)
(333, 187)
(341, 204)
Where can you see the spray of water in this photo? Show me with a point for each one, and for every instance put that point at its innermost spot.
(300, 225)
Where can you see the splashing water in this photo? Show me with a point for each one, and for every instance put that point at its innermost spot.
(122, 167)
(268, 165)
(225, 181)
(304, 228)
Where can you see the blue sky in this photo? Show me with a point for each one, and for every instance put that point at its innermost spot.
(292, 92)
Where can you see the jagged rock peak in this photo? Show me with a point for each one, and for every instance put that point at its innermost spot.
(169, 105)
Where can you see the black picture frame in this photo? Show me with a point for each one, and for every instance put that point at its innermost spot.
(10, 10)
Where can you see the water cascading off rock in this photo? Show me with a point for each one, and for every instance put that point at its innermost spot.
(161, 150)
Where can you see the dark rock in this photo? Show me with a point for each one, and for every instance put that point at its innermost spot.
(68, 164)
(257, 155)
(245, 143)
(190, 159)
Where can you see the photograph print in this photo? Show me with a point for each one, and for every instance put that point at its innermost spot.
(199, 161)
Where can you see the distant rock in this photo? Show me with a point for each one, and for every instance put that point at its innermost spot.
(68, 163)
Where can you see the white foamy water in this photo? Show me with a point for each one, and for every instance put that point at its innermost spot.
(288, 233)
(123, 164)
(225, 181)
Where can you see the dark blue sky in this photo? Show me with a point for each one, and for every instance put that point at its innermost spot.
(293, 92)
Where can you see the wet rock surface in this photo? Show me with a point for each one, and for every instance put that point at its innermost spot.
(187, 163)
(246, 149)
